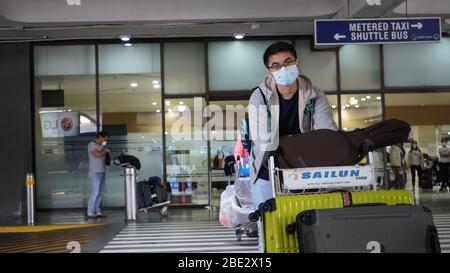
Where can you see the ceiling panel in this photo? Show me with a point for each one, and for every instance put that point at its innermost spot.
(105, 19)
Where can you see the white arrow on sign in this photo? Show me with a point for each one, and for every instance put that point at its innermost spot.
(418, 25)
(337, 36)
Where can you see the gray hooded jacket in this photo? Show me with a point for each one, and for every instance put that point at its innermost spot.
(264, 119)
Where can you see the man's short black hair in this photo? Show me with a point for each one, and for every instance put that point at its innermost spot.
(103, 134)
(276, 48)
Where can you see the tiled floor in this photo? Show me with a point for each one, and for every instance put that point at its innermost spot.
(183, 230)
(114, 224)
(198, 236)
(442, 222)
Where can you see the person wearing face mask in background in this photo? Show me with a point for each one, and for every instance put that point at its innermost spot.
(444, 159)
(415, 162)
(396, 162)
(97, 168)
(284, 103)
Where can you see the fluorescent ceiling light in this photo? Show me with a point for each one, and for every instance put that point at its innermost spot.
(368, 97)
(357, 106)
(50, 111)
(125, 38)
(155, 82)
(363, 99)
(156, 86)
(181, 102)
(154, 103)
(134, 84)
(378, 98)
(128, 44)
(158, 111)
(333, 106)
(59, 193)
(239, 36)
(168, 102)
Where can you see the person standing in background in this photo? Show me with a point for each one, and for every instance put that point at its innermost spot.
(97, 169)
(395, 158)
(444, 159)
(415, 162)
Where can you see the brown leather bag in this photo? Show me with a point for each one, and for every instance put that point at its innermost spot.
(325, 147)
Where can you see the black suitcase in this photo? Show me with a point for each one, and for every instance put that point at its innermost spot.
(150, 192)
(363, 229)
(426, 179)
(159, 194)
(146, 193)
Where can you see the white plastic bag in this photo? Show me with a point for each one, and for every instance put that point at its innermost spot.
(226, 213)
(243, 189)
(239, 214)
(236, 204)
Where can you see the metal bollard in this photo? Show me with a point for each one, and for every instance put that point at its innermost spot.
(130, 193)
(30, 183)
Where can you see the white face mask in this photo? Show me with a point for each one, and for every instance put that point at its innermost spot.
(104, 143)
(286, 75)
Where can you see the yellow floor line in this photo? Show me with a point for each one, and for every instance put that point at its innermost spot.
(24, 229)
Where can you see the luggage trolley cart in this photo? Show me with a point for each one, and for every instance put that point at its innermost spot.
(163, 208)
(310, 192)
(322, 179)
(300, 189)
(128, 161)
(158, 197)
(302, 181)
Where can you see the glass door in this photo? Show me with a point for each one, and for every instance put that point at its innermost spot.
(186, 151)
(224, 136)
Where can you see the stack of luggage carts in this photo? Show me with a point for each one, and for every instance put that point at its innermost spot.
(325, 201)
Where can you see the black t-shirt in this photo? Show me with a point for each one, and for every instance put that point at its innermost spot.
(288, 124)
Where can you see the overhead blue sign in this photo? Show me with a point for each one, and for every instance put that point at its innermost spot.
(377, 31)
